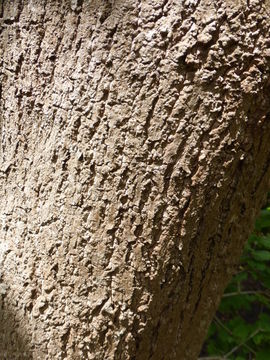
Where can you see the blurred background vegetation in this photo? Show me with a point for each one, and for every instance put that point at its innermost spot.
(241, 327)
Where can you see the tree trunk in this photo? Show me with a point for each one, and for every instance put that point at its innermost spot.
(134, 158)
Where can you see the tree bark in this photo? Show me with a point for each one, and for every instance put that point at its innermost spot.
(134, 158)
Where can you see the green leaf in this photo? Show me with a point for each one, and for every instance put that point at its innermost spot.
(241, 331)
(256, 266)
(240, 277)
(253, 239)
(258, 339)
(212, 330)
(264, 241)
(263, 354)
(235, 303)
(225, 338)
(263, 300)
(211, 348)
(261, 255)
(264, 322)
(266, 282)
(263, 221)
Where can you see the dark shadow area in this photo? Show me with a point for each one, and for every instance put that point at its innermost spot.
(13, 339)
(241, 326)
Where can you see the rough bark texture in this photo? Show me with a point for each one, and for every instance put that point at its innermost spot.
(134, 157)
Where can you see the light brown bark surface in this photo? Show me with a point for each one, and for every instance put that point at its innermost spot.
(134, 157)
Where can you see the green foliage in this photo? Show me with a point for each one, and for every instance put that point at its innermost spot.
(241, 327)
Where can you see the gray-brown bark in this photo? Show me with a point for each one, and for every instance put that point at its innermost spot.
(134, 156)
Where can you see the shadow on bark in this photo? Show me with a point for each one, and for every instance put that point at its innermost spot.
(13, 340)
